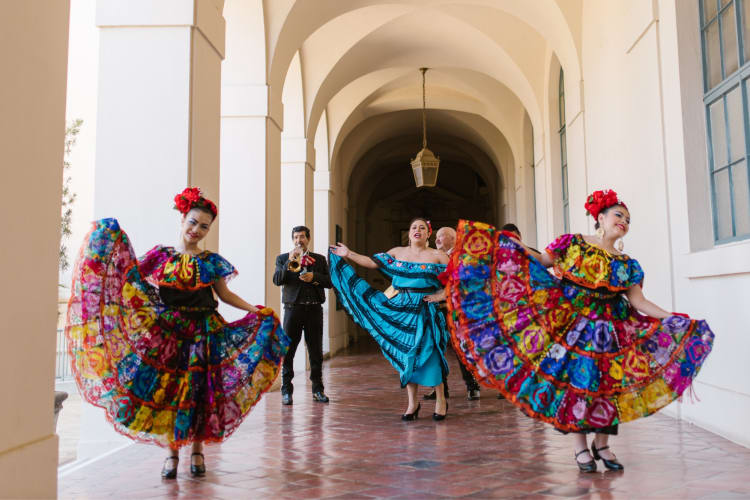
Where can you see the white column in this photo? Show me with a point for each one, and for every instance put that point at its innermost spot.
(297, 205)
(250, 157)
(157, 129)
(323, 197)
(251, 192)
(33, 51)
(158, 112)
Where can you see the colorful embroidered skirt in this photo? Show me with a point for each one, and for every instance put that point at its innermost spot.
(571, 356)
(164, 374)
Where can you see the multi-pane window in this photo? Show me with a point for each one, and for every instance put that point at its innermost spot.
(563, 154)
(725, 35)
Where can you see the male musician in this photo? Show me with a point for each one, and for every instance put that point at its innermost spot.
(445, 239)
(303, 276)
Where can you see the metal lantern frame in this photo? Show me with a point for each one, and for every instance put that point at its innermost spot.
(425, 165)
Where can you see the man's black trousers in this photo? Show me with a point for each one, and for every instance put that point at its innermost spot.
(299, 317)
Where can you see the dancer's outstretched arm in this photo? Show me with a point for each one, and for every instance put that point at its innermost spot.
(231, 298)
(343, 251)
(641, 303)
(543, 257)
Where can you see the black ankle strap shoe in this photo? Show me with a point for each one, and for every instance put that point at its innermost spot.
(609, 464)
(197, 470)
(589, 466)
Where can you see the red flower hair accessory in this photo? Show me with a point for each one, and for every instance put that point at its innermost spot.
(601, 200)
(429, 226)
(191, 198)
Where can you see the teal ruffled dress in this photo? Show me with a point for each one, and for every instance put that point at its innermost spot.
(411, 333)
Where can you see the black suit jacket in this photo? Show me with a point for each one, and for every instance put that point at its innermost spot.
(291, 284)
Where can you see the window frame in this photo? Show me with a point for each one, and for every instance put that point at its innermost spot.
(562, 133)
(739, 79)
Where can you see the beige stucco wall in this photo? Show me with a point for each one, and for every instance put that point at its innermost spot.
(34, 43)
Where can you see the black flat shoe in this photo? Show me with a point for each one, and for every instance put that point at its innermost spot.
(320, 397)
(500, 395)
(430, 396)
(197, 470)
(167, 472)
(473, 395)
(408, 417)
(609, 464)
(589, 466)
(438, 417)
(286, 399)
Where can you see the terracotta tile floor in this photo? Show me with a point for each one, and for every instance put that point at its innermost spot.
(357, 447)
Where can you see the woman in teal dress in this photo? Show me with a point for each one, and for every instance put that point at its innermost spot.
(409, 327)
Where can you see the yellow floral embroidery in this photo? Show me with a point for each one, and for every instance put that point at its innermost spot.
(656, 395)
(615, 371)
(163, 422)
(571, 257)
(143, 420)
(631, 406)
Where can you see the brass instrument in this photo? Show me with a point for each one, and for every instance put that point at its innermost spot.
(294, 263)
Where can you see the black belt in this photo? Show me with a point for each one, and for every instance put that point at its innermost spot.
(599, 293)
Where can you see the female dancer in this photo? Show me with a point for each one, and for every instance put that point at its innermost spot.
(409, 327)
(582, 351)
(148, 345)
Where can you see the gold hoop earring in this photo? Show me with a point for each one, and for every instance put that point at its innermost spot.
(600, 233)
(620, 245)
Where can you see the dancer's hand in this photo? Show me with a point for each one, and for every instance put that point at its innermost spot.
(252, 309)
(435, 297)
(341, 250)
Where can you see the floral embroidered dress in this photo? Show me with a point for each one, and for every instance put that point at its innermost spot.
(411, 332)
(148, 345)
(568, 350)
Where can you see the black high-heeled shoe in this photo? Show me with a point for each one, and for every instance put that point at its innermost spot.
(589, 466)
(437, 417)
(170, 473)
(197, 470)
(408, 417)
(609, 464)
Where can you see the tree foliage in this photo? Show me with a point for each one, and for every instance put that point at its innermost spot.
(68, 196)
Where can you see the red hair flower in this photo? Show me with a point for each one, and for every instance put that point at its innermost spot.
(602, 200)
(192, 197)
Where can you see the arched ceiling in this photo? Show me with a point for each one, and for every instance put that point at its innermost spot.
(359, 51)
(392, 156)
(467, 127)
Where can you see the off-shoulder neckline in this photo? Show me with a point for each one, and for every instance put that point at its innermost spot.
(175, 251)
(412, 262)
(613, 255)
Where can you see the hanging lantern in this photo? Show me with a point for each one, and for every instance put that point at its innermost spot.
(425, 165)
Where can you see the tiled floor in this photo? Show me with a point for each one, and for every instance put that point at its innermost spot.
(357, 447)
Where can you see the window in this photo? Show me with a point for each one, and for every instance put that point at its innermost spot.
(564, 154)
(725, 37)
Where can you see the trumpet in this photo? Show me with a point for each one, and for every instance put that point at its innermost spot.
(295, 263)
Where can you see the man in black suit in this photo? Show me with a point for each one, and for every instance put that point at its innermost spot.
(303, 276)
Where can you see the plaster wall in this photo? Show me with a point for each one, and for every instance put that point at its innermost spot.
(624, 133)
(712, 281)
(645, 137)
(34, 42)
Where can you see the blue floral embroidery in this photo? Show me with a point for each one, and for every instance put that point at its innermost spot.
(583, 373)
